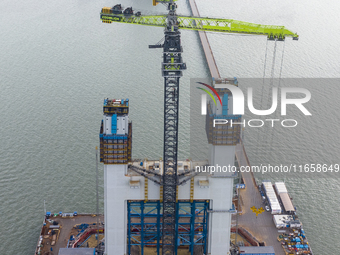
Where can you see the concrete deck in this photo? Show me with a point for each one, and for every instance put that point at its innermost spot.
(65, 230)
(262, 226)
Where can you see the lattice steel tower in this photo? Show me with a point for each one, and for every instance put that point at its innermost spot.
(172, 67)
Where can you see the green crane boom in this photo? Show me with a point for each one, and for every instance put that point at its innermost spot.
(203, 24)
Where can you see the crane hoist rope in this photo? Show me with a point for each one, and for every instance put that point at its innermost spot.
(265, 61)
(273, 65)
(270, 140)
(276, 113)
(264, 73)
(262, 94)
(283, 52)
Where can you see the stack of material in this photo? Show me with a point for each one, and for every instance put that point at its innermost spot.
(281, 190)
(280, 187)
(282, 221)
(273, 202)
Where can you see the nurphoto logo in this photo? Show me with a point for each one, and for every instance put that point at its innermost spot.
(238, 105)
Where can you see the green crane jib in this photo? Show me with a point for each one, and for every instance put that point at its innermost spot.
(201, 24)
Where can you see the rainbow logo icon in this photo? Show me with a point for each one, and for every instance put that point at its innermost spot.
(209, 93)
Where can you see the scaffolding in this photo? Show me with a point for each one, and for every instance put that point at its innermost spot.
(222, 134)
(115, 148)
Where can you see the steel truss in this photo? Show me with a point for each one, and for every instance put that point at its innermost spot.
(172, 67)
(145, 225)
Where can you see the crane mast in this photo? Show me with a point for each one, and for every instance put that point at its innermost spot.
(172, 67)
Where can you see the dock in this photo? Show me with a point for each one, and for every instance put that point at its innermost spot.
(209, 56)
(58, 228)
(262, 226)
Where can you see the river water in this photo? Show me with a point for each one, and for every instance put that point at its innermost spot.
(58, 62)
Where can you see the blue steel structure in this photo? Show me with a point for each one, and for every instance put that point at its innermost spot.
(144, 225)
(225, 104)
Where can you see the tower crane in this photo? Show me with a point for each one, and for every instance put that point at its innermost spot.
(172, 67)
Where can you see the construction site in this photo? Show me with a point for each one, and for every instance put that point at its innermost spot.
(166, 206)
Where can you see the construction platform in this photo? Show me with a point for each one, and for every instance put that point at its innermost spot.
(71, 230)
(262, 227)
(58, 228)
(156, 166)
